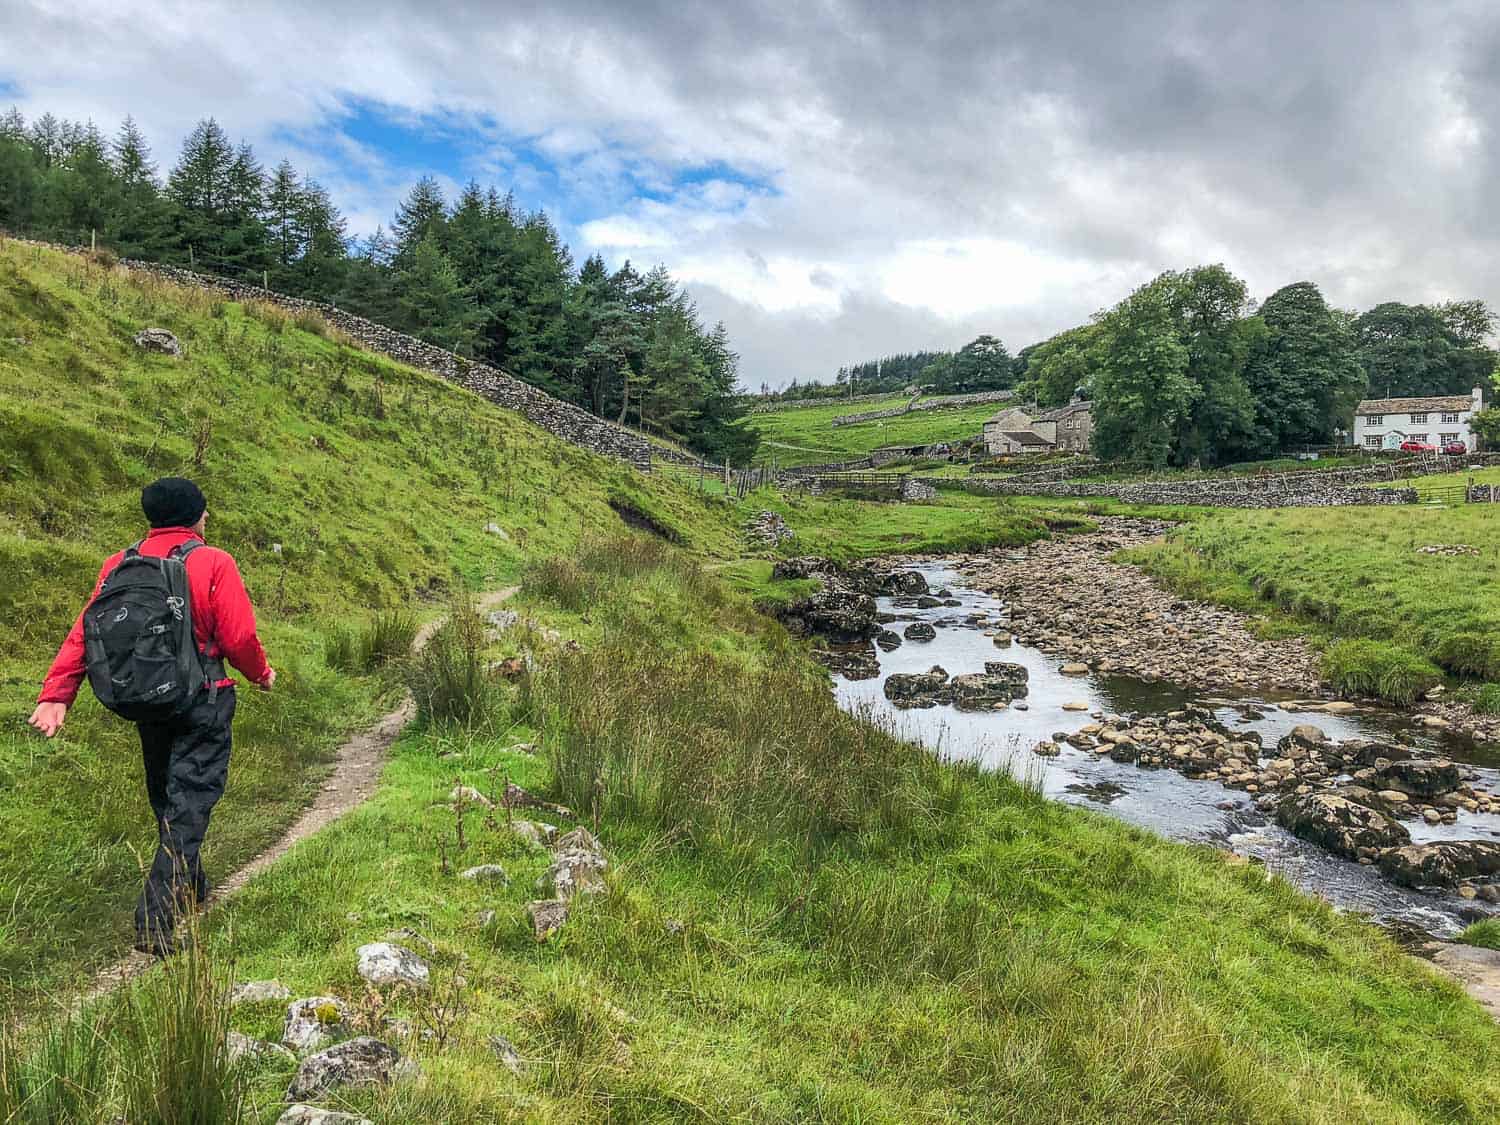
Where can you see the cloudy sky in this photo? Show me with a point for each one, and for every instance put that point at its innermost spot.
(837, 181)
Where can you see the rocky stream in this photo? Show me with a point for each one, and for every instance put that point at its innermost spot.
(1085, 678)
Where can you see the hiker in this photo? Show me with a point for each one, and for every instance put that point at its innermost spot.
(149, 661)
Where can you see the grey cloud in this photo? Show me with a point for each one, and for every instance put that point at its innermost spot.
(1348, 143)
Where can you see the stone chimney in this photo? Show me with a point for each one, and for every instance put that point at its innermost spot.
(1478, 398)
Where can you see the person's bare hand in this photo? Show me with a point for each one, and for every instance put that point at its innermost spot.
(269, 682)
(48, 717)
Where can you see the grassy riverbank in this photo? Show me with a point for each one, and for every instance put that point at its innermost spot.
(812, 920)
(1355, 574)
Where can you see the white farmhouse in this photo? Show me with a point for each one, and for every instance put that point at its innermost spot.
(1384, 423)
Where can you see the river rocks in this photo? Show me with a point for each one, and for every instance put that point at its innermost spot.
(357, 1062)
(1074, 669)
(315, 1022)
(1441, 863)
(1340, 824)
(1002, 640)
(1419, 777)
(888, 639)
(919, 631)
(1068, 599)
(842, 616)
(804, 566)
(384, 964)
(158, 340)
(1303, 736)
(904, 583)
(998, 683)
(917, 689)
(1075, 705)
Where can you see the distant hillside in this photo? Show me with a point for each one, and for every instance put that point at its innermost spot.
(808, 436)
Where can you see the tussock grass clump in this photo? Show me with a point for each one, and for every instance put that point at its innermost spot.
(156, 1053)
(1485, 933)
(449, 678)
(706, 748)
(563, 581)
(1379, 670)
(388, 637)
(341, 649)
(310, 321)
(1475, 655)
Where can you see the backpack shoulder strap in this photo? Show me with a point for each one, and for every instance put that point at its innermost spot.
(183, 550)
(134, 550)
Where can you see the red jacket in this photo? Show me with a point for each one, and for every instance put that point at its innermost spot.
(223, 619)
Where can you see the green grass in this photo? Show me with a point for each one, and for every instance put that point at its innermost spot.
(859, 931)
(806, 437)
(376, 482)
(1379, 670)
(1485, 933)
(810, 920)
(1352, 573)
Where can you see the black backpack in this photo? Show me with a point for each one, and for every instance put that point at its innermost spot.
(142, 658)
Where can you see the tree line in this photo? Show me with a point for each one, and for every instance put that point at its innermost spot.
(479, 275)
(983, 364)
(1189, 370)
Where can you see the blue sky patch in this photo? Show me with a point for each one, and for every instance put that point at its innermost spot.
(574, 182)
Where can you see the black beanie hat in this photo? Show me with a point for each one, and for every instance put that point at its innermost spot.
(172, 502)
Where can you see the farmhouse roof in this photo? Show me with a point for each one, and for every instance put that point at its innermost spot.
(1063, 412)
(1026, 437)
(1450, 403)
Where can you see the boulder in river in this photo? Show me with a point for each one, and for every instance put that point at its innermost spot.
(998, 683)
(916, 689)
(1419, 777)
(919, 631)
(1441, 863)
(840, 615)
(1335, 820)
(888, 639)
(908, 583)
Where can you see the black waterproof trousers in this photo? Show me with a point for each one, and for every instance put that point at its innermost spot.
(187, 763)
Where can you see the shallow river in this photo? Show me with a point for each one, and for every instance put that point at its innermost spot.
(1160, 799)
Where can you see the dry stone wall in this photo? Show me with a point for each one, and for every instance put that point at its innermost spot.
(561, 419)
(941, 402)
(1208, 493)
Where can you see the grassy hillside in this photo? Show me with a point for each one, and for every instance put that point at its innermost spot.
(805, 436)
(375, 481)
(808, 919)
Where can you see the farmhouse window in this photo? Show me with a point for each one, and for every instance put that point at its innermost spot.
(1448, 439)
(1416, 437)
(1419, 419)
(1450, 419)
(1375, 419)
(1372, 441)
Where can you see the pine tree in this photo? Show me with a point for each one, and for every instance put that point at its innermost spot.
(422, 215)
(432, 300)
(13, 125)
(131, 156)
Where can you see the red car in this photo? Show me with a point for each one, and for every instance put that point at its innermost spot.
(1455, 449)
(1418, 447)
